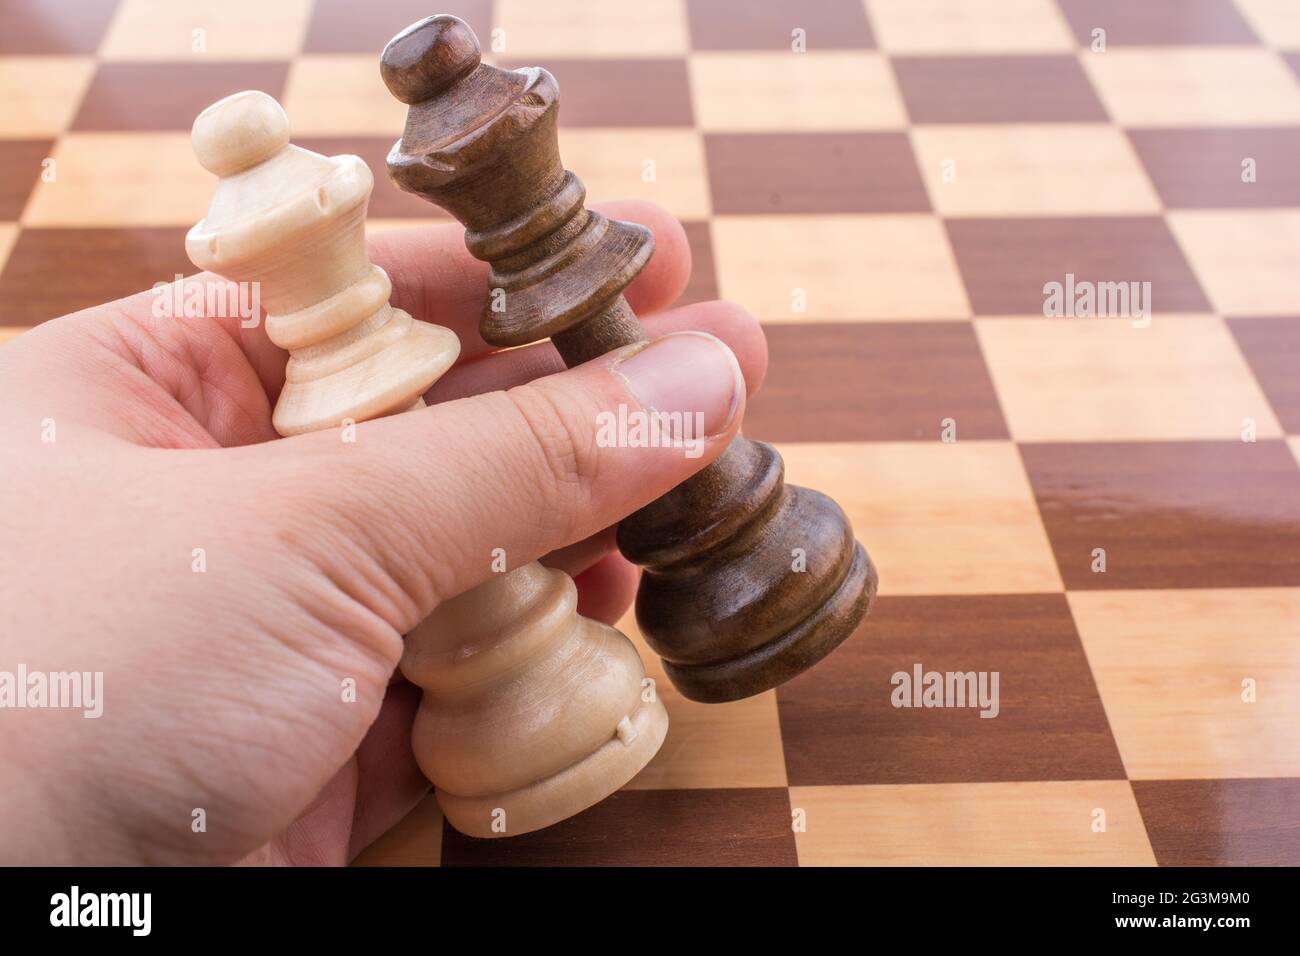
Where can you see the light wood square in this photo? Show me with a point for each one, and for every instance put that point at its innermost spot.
(122, 179)
(972, 824)
(10, 332)
(936, 518)
(1032, 170)
(737, 744)
(1170, 667)
(415, 841)
(580, 28)
(790, 92)
(41, 93)
(341, 95)
(207, 30)
(1276, 21)
(1181, 378)
(1248, 261)
(1194, 86)
(839, 268)
(970, 26)
(663, 165)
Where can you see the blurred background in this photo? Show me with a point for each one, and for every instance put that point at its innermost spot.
(1103, 508)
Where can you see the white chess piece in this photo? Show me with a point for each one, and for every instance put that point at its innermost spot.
(294, 222)
(531, 712)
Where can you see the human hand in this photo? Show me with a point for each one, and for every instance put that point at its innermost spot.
(222, 690)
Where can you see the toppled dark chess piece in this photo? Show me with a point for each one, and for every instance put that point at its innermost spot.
(724, 598)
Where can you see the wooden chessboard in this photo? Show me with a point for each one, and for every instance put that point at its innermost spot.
(891, 203)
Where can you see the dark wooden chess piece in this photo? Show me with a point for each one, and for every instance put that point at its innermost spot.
(724, 598)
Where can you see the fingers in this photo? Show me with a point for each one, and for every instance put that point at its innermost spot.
(389, 782)
(575, 558)
(431, 495)
(606, 581)
(136, 372)
(223, 314)
(607, 588)
(437, 280)
(729, 322)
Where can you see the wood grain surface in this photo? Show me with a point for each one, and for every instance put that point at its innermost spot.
(922, 302)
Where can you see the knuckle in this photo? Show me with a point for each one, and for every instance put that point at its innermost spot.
(565, 445)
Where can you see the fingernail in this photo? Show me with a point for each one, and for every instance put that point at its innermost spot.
(692, 373)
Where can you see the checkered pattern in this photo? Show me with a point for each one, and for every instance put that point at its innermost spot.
(890, 203)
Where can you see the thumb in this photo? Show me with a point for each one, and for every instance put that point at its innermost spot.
(432, 494)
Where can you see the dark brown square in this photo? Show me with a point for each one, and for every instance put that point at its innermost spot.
(839, 724)
(703, 284)
(742, 827)
(1272, 347)
(770, 24)
(1251, 822)
(997, 89)
(1157, 22)
(813, 173)
(1170, 514)
(52, 272)
(620, 92)
(873, 381)
(349, 26)
(20, 169)
(1202, 168)
(1006, 262)
(167, 96)
(63, 27)
(386, 201)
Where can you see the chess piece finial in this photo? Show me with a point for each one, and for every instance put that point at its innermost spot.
(531, 712)
(294, 222)
(721, 600)
(428, 57)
